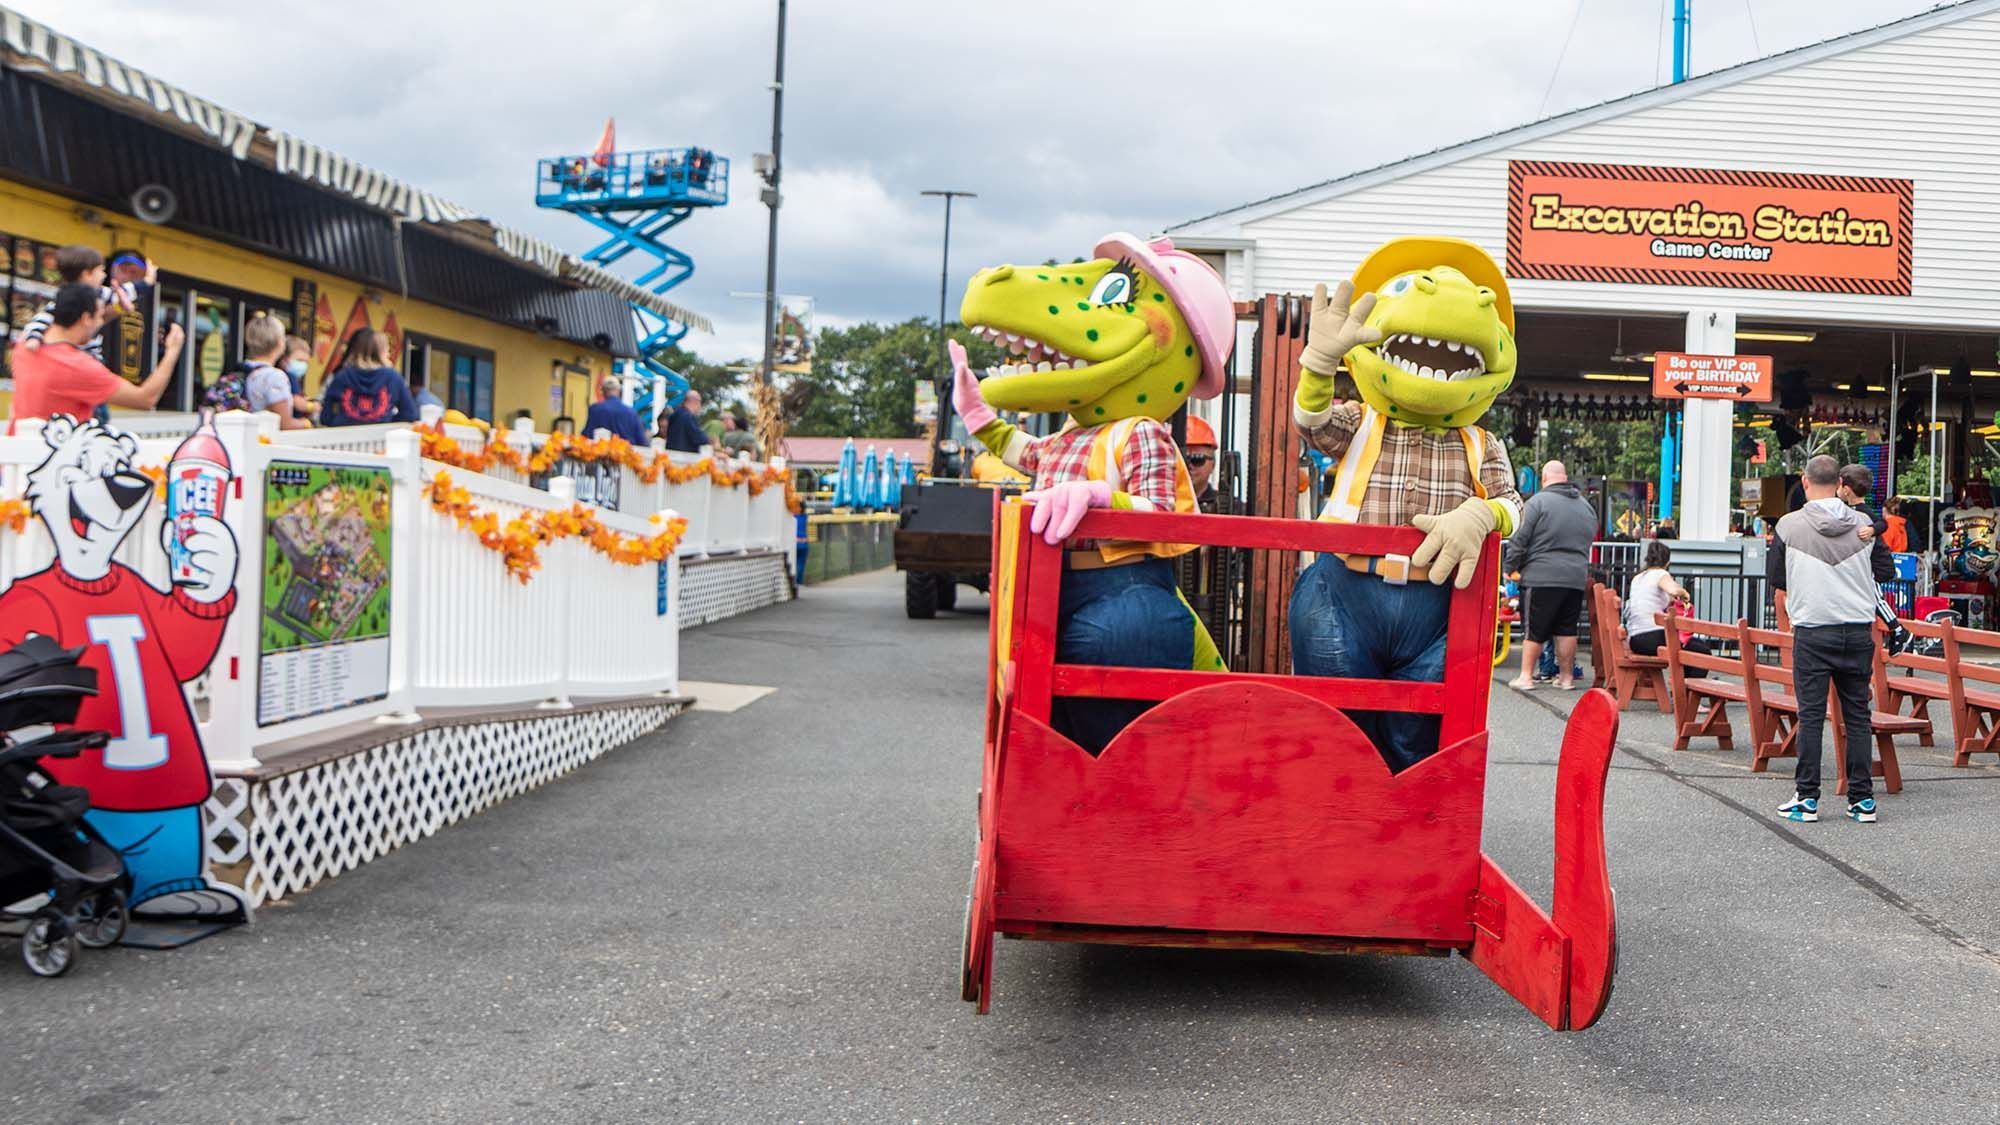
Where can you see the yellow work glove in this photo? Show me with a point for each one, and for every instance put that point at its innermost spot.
(1334, 330)
(1453, 540)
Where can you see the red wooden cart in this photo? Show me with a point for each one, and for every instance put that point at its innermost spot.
(1247, 811)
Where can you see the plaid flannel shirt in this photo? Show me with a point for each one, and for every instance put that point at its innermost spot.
(1419, 471)
(1149, 463)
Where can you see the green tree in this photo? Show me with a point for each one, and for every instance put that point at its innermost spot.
(715, 381)
(864, 378)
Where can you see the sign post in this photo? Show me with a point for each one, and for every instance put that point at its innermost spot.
(1732, 378)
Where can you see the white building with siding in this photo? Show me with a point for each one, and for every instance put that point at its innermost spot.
(1915, 100)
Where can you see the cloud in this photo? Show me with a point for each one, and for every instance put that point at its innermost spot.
(1070, 120)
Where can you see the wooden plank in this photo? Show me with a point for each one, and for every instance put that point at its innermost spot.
(1583, 907)
(1240, 807)
(1163, 683)
(1256, 532)
(1041, 591)
(1468, 666)
(1518, 947)
(1220, 939)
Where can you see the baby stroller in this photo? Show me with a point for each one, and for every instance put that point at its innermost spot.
(69, 886)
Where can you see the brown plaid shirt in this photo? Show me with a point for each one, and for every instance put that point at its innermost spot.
(1418, 471)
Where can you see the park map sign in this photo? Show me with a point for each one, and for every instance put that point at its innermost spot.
(324, 631)
(1705, 226)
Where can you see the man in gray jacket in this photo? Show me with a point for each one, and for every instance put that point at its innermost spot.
(1820, 557)
(1551, 549)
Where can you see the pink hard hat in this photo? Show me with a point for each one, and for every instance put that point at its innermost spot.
(1196, 290)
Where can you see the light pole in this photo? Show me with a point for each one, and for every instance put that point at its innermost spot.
(944, 286)
(770, 427)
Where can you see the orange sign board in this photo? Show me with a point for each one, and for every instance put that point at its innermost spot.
(1706, 226)
(1738, 378)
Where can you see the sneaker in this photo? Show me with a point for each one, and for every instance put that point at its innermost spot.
(1862, 811)
(1807, 809)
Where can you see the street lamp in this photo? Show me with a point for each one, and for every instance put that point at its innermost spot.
(944, 281)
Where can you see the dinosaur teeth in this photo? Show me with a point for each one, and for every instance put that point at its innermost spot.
(1043, 366)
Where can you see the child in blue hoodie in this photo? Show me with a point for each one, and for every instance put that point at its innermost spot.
(367, 390)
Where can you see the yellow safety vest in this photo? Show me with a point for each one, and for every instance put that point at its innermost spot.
(1106, 447)
(1350, 480)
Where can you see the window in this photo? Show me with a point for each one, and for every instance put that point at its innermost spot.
(460, 376)
(212, 316)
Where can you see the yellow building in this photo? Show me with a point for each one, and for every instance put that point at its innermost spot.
(244, 220)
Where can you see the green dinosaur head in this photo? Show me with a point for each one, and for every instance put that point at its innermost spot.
(1447, 348)
(1104, 339)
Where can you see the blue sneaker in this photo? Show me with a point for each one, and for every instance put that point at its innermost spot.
(1862, 811)
(1807, 809)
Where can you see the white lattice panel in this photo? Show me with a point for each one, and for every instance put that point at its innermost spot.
(277, 837)
(713, 589)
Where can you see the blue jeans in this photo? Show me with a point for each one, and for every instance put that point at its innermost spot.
(1359, 627)
(1129, 615)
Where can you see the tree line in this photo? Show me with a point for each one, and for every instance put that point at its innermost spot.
(863, 381)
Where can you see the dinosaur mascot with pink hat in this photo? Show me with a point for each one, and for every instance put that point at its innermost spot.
(1425, 328)
(1118, 343)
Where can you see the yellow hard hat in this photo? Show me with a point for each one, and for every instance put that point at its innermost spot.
(1401, 255)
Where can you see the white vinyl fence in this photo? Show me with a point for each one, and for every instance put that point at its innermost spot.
(462, 631)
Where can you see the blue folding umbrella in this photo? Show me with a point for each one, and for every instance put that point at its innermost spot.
(865, 495)
(843, 481)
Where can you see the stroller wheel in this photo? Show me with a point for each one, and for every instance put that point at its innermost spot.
(101, 918)
(46, 953)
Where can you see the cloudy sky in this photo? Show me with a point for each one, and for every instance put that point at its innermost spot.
(1068, 119)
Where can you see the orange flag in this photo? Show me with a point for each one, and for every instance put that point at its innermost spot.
(606, 144)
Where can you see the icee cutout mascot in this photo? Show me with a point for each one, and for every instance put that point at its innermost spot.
(1430, 344)
(1117, 343)
(148, 785)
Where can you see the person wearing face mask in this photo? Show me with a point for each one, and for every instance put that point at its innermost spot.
(298, 355)
(265, 385)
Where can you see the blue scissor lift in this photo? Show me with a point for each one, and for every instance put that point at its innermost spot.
(635, 198)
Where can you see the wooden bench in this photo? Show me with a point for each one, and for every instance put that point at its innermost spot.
(1629, 676)
(1701, 703)
(1600, 645)
(1774, 704)
(1913, 688)
(1975, 711)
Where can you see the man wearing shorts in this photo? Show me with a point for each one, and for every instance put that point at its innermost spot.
(1551, 550)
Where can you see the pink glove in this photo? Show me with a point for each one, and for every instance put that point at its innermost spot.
(965, 391)
(1060, 507)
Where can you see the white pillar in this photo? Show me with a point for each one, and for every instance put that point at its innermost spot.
(1708, 440)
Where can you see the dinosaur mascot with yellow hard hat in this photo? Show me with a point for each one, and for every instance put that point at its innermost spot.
(1425, 328)
(1118, 343)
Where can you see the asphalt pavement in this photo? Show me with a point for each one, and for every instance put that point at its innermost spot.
(755, 916)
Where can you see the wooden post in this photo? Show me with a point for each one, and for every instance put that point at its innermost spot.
(1275, 450)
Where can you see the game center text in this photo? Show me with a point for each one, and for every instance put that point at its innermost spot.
(1676, 229)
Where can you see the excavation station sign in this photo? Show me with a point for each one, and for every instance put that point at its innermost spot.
(1737, 378)
(1707, 226)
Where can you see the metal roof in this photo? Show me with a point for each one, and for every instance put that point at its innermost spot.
(33, 48)
(1563, 122)
(83, 150)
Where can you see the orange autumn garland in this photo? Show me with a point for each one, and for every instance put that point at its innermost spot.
(649, 467)
(519, 540)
